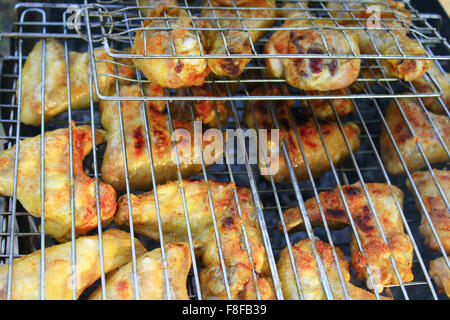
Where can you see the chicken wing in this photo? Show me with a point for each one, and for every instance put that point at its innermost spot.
(57, 182)
(323, 108)
(408, 144)
(435, 205)
(163, 152)
(58, 266)
(204, 110)
(389, 41)
(311, 143)
(309, 277)
(376, 252)
(119, 284)
(160, 39)
(312, 73)
(236, 40)
(440, 273)
(56, 87)
(229, 224)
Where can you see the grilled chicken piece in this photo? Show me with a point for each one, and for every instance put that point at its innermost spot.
(58, 266)
(56, 88)
(407, 144)
(310, 139)
(119, 284)
(237, 41)
(376, 252)
(386, 44)
(57, 181)
(423, 85)
(168, 72)
(163, 152)
(323, 108)
(312, 73)
(229, 224)
(347, 10)
(309, 277)
(154, 8)
(435, 205)
(204, 111)
(440, 273)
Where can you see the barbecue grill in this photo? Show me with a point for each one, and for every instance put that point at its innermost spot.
(113, 24)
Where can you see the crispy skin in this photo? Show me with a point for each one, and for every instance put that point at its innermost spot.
(377, 252)
(311, 143)
(440, 273)
(323, 108)
(57, 182)
(407, 144)
(138, 159)
(237, 41)
(229, 225)
(406, 69)
(203, 110)
(312, 73)
(423, 85)
(390, 9)
(154, 8)
(309, 277)
(56, 100)
(435, 206)
(58, 266)
(171, 73)
(119, 284)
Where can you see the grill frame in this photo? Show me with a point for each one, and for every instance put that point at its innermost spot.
(236, 105)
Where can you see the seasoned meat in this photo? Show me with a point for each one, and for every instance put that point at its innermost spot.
(57, 181)
(58, 266)
(376, 252)
(407, 144)
(440, 273)
(435, 205)
(229, 224)
(120, 285)
(309, 276)
(323, 108)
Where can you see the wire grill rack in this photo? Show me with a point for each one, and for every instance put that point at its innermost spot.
(114, 23)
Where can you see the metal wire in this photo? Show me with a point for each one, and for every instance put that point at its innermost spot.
(124, 18)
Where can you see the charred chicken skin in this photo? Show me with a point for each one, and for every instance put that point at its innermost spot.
(425, 135)
(377, 253)
(237, 41)
(157, 39)
(309, 137)
(321, 74)
(229, 223)
(56, 87)
(309, 276)
(435, 205)
(163, 151)
(119, 284)
(57, 182)
(440, 273)
(117, 251)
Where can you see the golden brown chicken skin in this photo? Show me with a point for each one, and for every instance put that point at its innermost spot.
(311, 285)
(154, 8)
(120, 285)
(386, 43)
(170, 72)
(229, 223)
(440, 273)
(323, 108)
(57, 182)
(435, 205)
(117, 251)
(237, 41)
(425, 135)
(376, 252)
(312, 73)
(311, 143)
(163, 151)
(56, 100)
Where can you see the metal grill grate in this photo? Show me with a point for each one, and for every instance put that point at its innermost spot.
(116, 22)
